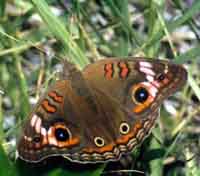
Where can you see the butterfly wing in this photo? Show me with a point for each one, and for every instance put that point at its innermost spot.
(100, 114)
(120, 78)
(129, 94)
(55, 125)
(113, 132)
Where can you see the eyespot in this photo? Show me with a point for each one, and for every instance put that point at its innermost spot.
(161, 77)
(37, 139)
(140, 94)
(62, 133)
(143, 95)
(99, 141)
(124, 128)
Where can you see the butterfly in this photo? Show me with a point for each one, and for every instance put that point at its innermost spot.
(98, 114)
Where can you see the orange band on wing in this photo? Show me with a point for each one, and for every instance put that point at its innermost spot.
(56, 97)
(124, 70)
(125, 138)
(108, 68)
(48, 107)
(104, 149)
(70, 143)
(141, 107)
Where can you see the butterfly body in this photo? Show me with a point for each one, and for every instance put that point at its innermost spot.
(100, 113)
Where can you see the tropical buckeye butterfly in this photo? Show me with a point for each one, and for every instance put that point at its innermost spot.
(97, 114)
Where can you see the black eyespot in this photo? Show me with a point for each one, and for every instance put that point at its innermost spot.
(161, 77)
(124, 128)
(62, 134)
(99, 141)
(37, 139)
(141, 95)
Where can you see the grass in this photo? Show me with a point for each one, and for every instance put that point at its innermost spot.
(117, 30)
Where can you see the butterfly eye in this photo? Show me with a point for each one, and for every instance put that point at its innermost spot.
(124, 128)
(140, 95)
(99, 142)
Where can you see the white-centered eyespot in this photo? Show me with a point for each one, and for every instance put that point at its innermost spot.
(62, 133)
(124, 128)
(140, 94)
(99, 141)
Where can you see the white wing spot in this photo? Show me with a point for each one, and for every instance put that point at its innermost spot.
(145, 64)
(150, 78)
(51, 138)
(43, 131)
(147, 71)
(38, 125)
(33, 120)
(152, 89)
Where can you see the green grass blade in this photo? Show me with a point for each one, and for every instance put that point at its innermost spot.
(190, 55)
(92, 172)
(6, 168)
(120, 12)
(2, 7)
(194, 85)
(23, 86)
(156, 165)
(56, 27)
(193, 10)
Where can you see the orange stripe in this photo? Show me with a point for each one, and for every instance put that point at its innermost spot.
(55, 97)
(109, 70)
(141, 107)
(124, 70)
(71, 142)
(48, 107)
(123, 140)
(107, 148)
(45, 140)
